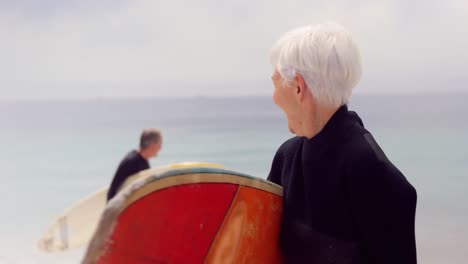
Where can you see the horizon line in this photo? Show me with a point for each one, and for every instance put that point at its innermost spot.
(206, 96)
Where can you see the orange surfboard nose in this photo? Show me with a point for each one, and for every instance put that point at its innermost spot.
(174, 225)
(191, 216)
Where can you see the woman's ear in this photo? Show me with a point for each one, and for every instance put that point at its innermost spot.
(300, 87)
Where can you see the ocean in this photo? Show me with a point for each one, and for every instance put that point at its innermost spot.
(54, 153)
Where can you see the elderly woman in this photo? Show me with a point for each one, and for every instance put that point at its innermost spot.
(344, 201)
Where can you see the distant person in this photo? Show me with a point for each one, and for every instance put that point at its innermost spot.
(136, 160)
(344, 201)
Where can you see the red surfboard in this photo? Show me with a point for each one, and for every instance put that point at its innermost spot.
(191, 215)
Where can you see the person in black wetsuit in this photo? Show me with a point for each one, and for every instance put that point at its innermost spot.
(344, 201)
(136, 160)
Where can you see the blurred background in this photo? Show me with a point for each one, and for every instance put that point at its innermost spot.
(79, 80)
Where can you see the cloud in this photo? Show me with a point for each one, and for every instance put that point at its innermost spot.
(151, 48)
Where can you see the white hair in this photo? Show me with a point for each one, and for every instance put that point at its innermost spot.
(325, 55)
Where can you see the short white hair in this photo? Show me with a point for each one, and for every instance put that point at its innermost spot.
(325, 55)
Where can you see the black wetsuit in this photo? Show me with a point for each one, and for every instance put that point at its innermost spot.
(344, 201)
(131, 164)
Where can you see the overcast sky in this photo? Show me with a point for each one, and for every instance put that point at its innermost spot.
(150, 48)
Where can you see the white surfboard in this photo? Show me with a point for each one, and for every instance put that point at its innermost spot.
(76, 225)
